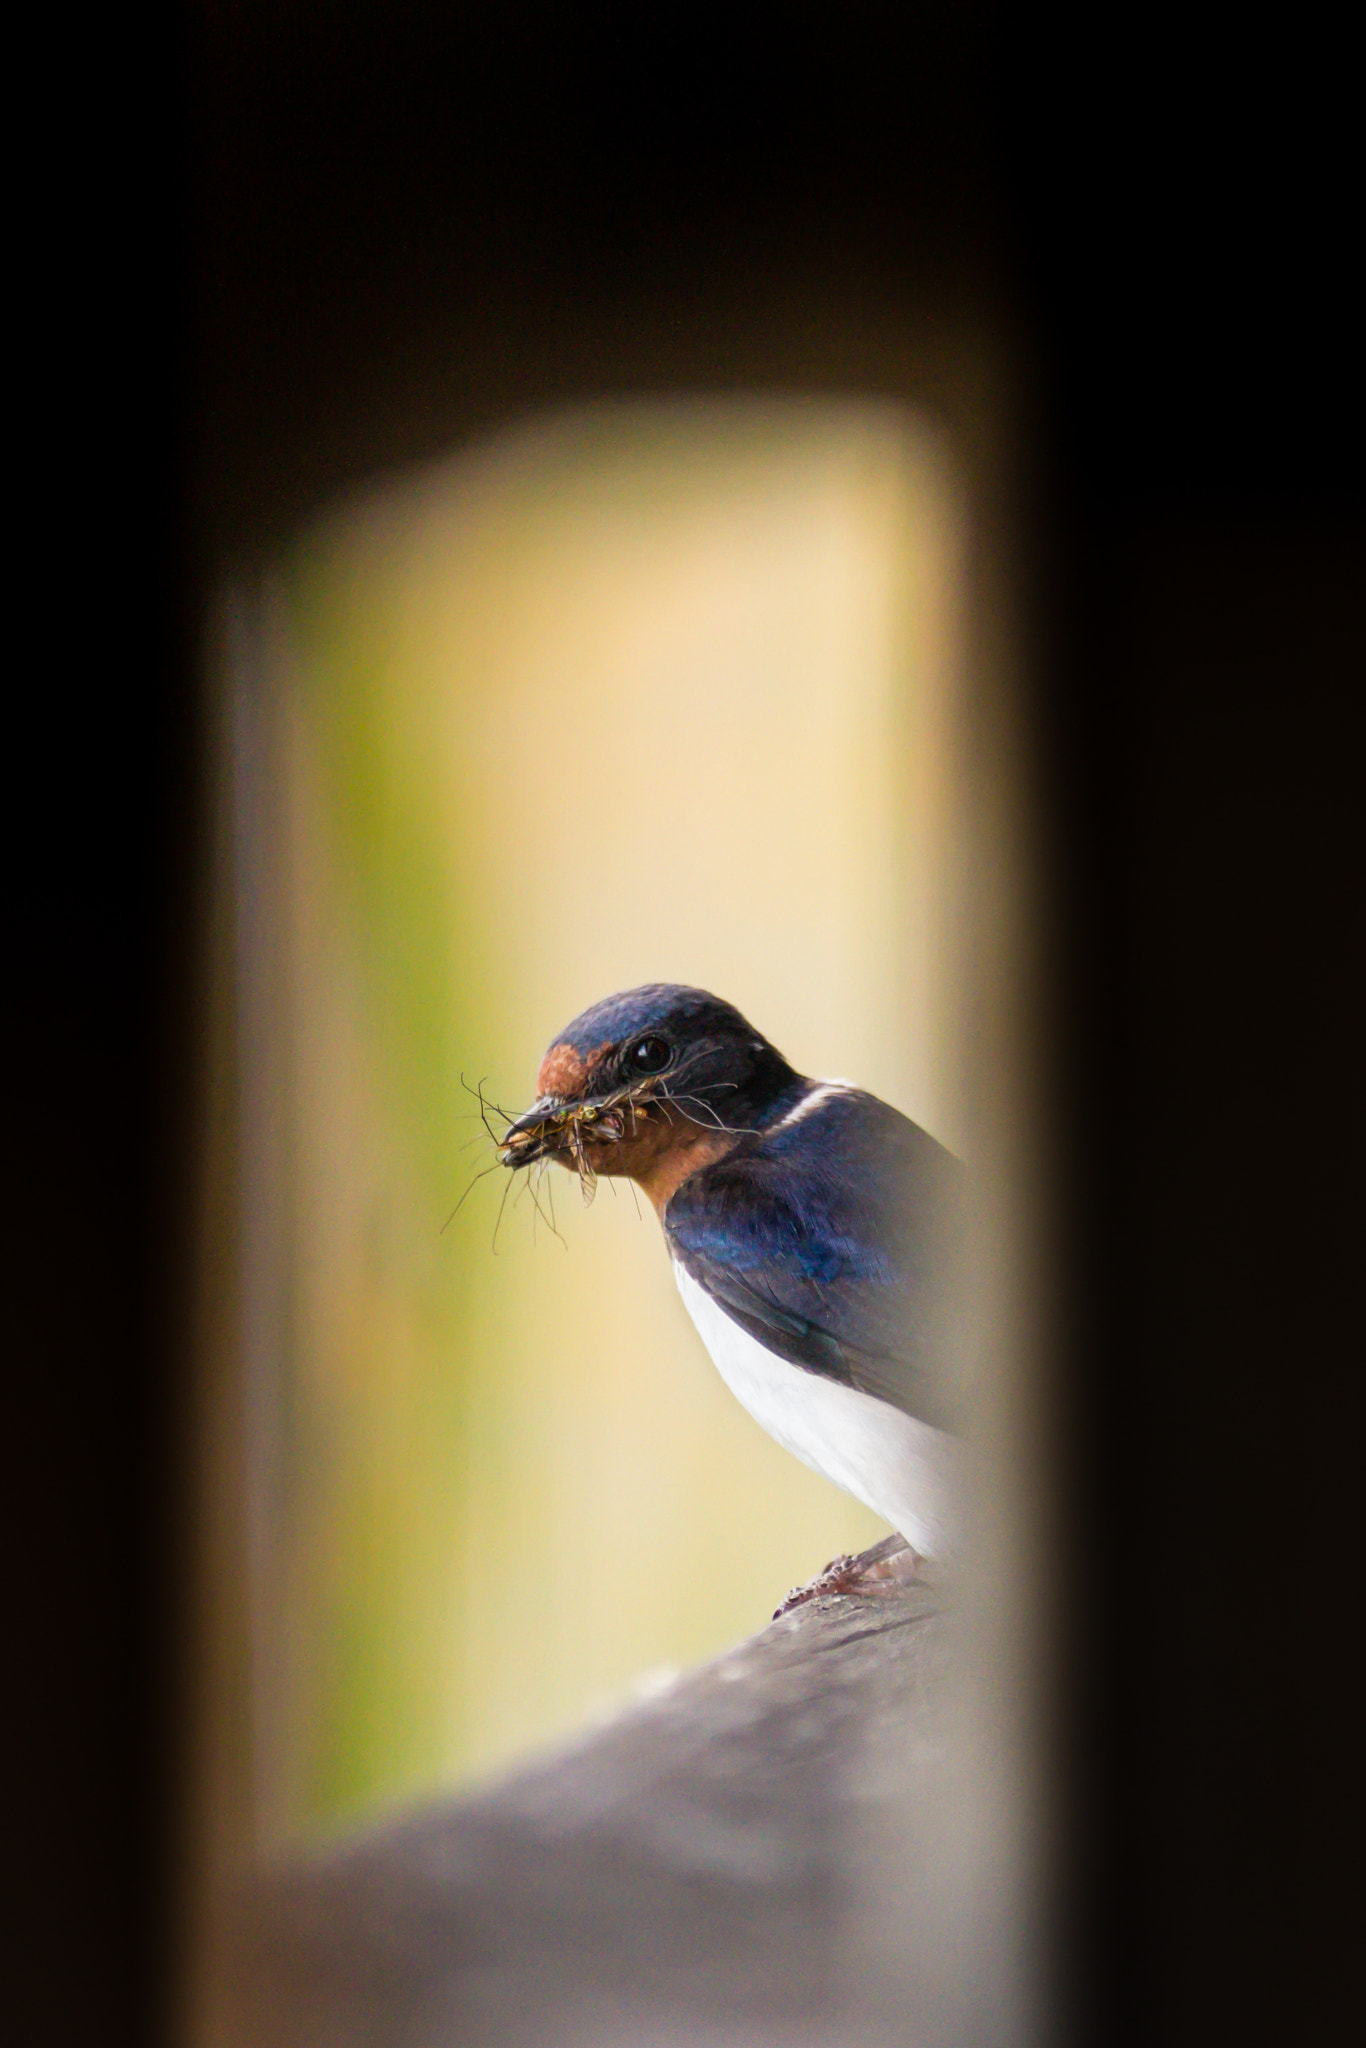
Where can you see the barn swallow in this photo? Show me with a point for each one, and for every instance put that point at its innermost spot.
(814, 1233)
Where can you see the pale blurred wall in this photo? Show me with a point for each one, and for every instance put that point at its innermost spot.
(640, 693)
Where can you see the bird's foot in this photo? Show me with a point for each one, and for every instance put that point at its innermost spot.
(892, 1559)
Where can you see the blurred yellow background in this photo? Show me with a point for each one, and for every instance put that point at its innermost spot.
(646, 692)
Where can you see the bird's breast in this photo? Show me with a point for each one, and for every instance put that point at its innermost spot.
(903, 1469)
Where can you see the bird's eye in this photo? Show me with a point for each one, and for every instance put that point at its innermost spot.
(649, 1056)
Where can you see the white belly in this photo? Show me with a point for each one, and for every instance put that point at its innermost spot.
(904, 1470)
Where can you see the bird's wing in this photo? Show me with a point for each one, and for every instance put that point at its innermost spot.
(836, 1241)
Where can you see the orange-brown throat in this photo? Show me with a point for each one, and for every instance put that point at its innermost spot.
(685, 1151)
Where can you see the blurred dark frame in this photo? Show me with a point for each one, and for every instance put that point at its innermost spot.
(317, 242)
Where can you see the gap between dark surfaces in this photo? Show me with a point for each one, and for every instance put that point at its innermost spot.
(399, 228)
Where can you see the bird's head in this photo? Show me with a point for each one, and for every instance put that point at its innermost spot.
(651, 1084)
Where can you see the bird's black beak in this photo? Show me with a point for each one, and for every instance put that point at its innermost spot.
(559, 1126)
(532, 1135)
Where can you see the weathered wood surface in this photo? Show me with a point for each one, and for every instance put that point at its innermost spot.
(711, 1867)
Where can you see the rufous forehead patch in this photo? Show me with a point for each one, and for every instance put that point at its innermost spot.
(564, 1071)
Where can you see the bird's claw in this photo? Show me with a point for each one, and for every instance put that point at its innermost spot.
(892, 1559)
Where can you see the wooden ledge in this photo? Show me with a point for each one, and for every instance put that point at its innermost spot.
(698, 1870)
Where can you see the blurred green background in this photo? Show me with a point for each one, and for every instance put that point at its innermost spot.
(639, 693)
